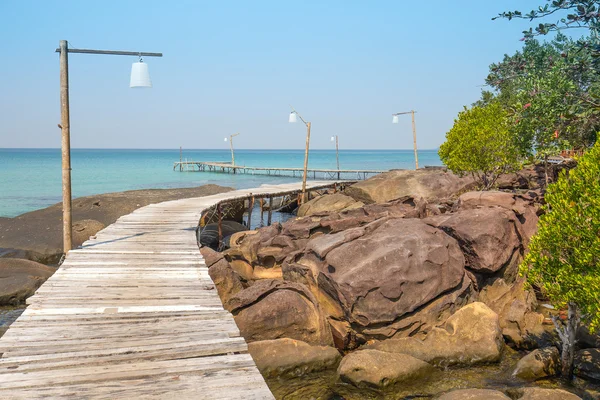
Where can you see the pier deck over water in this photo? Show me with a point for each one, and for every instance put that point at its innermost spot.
(318, 173)
(133, 313)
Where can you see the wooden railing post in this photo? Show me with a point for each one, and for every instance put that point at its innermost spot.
(219, 225)
(270, 210)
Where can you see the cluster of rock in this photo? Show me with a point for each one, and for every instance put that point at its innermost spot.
(402, 273)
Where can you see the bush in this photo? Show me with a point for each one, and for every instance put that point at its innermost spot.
(481, 144)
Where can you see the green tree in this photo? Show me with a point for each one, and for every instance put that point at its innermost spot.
(564, 256)
(551, 89)
(480, 144)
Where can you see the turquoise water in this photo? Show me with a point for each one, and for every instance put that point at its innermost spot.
(30, 179)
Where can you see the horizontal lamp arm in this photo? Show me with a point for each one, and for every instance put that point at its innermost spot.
(402, 113)
(112, 52)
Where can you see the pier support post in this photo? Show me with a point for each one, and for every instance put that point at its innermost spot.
(65, 126)
(250, 208)
(219, 224)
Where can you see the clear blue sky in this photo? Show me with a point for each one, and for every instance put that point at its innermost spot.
(229, 67)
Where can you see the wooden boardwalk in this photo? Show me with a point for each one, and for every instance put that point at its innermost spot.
(133, 314)
(312, 173)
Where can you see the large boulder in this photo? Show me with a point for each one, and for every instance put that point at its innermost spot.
(521, 324)
(586, 339)
(380, 369)
(587, 364)
(525, 207)
(335, 202)
(20, 278)
(289, 357)
(536, 393)
(540, 363)
(474, 394)
(429, 183)
(489, 237)
(226, 280)
(382, 273)
(272, 309)
(209, 234)
(472, 335)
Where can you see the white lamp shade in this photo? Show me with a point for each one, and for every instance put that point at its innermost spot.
(140, 77)
(293, 117)
(332, 138)
(225, 139)
(395, 119)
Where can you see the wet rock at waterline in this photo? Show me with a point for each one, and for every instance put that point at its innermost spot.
(335, 202)
(535, 393)
(380, 369)
(20, 278)
(272, 309)
(209, 234)
(283, 357)
(474, 394)
(470, 336)
(587, 364)
(538, 364)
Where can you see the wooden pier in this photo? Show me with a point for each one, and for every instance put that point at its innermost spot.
(131, 314)
(228, 168)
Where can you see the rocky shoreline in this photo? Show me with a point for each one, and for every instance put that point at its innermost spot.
(396, 288)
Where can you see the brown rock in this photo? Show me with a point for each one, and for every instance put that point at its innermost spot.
(538, 364)
(515, 306)
(489, 237)
(328, 203)
(429, 183)
(226, 280)
(19, 279)
(535, 393)
(272, 309)
(381, 369)
(587, 364)
(83, 229)
(471, 335)
(281, 357)
(397, 266)
(474, 394)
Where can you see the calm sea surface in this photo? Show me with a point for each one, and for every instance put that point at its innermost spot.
(30, 179)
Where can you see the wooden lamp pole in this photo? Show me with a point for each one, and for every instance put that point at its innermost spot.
(65, 127)
(395, 121)
(305, 154)
(231, 147)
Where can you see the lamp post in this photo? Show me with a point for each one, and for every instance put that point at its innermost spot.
(293, 119)
(395, 121)
(231, 146)
(139, 78)
(337, 151)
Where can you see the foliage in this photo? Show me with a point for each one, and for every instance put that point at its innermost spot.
(576, 14)
(564, 255)
(480, 144)
(551, 90)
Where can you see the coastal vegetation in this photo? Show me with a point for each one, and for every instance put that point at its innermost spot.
(564, 255)
(480, 144)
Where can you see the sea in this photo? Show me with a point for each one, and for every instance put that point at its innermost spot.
(30, 179)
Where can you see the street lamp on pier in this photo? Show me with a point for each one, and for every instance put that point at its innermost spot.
(293, 119)
(337, 151)
(231, 147)
(140, 77)
(395, 121)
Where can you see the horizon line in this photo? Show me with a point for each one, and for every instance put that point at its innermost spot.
(205, 149)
